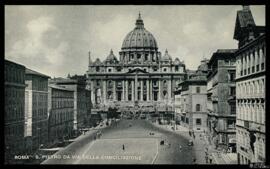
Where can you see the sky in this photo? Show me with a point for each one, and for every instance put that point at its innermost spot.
(55, 40)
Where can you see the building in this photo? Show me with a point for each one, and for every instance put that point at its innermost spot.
(141, 80)
(190, 99)
(221, 98)
(82, 100)
(61, 113)
(250, 88)
(14, 110)
(36, 110)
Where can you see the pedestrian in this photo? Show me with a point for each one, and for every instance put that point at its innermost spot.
(180, 147)
(194, 160)
(189, 132)
(206, 159)
(210, 159)
(123, 147)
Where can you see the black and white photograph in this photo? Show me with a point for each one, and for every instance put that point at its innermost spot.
(135, 84)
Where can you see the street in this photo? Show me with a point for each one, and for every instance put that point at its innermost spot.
(127, 142)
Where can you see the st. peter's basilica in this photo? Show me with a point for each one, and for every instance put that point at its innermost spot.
(140, 80)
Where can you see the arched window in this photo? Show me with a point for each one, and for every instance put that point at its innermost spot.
(176, 68)
(165, 94)
(109, 95)
(251, 87)
(198, 107)
(110, 84)
(164, 83)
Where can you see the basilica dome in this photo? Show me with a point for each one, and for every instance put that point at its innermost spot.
(139, 37)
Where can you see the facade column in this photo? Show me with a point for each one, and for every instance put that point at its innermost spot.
(136, 87)
(126, 83)
(159, 90)
(151, 90)
(132, 90)
(104, 92)
(92, 92)
(114, 90)
(169, 90)
(141, 90)
(123, 91)
(147, 90)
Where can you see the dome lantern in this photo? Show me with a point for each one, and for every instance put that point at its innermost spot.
(139, 22)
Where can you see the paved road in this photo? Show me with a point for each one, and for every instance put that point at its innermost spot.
(135, 135)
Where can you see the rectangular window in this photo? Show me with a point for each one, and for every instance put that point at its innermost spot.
(198, 89)
(231, 124)
(262, 66)
(253, 69)
(232, 76)
(233, 108)
(155, 96)
(146, 56)
(198, 122)
(232, 91)
(198, 107)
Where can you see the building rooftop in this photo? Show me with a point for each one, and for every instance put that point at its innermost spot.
(226, 50)
(32, 72)
(59, 87)
(14, 63)
(62, 80)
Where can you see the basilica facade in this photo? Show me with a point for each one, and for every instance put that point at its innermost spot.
(141, 79)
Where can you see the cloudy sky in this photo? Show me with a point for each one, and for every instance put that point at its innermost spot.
(55, 40)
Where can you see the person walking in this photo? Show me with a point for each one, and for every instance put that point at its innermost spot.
(123, 147)
(180, 148)
(206, 159)
(210, 158)
(194, 160)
